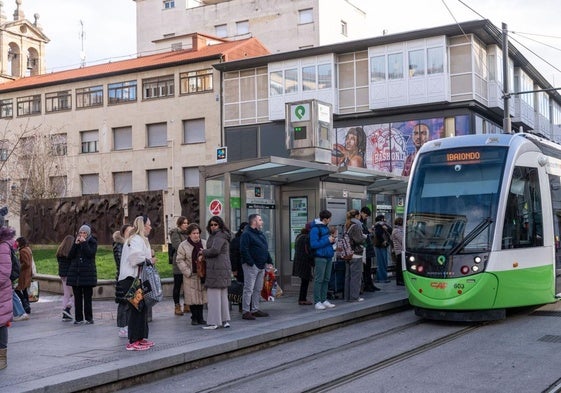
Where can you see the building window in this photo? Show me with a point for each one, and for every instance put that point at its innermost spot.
(378, 68)
(306, 16)
(309, 78)
(59, 145)
(29, 105)
(4, 150)
(291, 81)
(158, 87)
(122, 182)
(196, 81)
(191, 177)
(6, 108)
(242, 27)
(89, 96)
(27, 146)
(89, 141)
(221, 31)
(325, 76)
(169, 4)
(90, 184)
(194, 131)
(122, 138)
(157, 134)
(121, 92)
(276, 85)
(435, 60)
(395, 66)
(344, 28)
(157, 179)
(416, 63)
(58, 101)
(58, 186)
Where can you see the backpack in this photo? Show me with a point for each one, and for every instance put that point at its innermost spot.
(14, 275)
(344, 247)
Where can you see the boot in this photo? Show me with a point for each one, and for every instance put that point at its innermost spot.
(3, 358)
(186, 309)
(178, 309)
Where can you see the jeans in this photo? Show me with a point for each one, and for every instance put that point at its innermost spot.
(18, 306)
(304, 283)
(67, 301)
(382, 264)
(253, 283)
(353, 277)
(322, 274)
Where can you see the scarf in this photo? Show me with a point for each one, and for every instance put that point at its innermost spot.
(197, 248)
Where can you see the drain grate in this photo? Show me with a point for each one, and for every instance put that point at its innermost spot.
(549, 338)
(545, 313)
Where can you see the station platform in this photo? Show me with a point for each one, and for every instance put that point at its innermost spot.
(46, 354)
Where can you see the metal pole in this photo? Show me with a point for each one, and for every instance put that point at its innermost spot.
(506, 93)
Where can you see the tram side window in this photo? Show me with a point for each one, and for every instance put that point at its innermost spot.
(523, 223)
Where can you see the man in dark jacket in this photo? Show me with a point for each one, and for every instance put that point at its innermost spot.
(254, 251)
(367, 280)
(321, 241)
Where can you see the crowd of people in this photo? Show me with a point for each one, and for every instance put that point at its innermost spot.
(203, 269)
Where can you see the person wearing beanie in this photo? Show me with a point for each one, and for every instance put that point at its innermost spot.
(82, 274)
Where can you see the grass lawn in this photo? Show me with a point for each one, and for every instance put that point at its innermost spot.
(46, 262)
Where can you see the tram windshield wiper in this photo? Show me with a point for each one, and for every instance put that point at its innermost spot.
(471, 235)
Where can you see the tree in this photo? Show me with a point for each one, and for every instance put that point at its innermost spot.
(32, 165)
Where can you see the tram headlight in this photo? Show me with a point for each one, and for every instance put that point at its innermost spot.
(477, 259)
(412, 259)
(475, 268)
(464, 269)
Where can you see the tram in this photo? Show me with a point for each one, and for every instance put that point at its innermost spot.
(482, 226)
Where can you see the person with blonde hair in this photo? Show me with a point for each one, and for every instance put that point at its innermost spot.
(136, 250)
(62, 253)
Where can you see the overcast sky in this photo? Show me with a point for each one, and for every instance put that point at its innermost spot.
(110, 26)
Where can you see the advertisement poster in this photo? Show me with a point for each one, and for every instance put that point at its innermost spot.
(385, 147)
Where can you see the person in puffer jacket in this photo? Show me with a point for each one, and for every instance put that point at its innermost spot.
(321, 242)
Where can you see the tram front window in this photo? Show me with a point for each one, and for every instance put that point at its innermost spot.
(452, 205)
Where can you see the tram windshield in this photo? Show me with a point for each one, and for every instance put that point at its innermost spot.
(453, 200)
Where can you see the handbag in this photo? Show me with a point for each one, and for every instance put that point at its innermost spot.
(33, 291)
(151, 283)
(135, 293)
(235, 292)
(201, 267)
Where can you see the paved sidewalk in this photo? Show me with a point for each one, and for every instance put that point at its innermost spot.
(46, 354)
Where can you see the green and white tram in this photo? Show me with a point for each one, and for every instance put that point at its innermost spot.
(482, 226)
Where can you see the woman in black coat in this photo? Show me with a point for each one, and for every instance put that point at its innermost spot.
(82, 274)
(303, 263)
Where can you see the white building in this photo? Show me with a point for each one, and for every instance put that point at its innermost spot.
(281, 25)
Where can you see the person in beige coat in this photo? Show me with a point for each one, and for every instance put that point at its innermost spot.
(193, 289)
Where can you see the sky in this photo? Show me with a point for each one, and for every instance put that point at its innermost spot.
(109, 26)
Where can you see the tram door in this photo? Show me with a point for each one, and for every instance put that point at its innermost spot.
(555, 188)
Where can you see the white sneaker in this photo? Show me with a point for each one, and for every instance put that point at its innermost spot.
(328, 304)
(210, 327)
(360, 299)
(22, 317)
(319, 306)
(123, 332)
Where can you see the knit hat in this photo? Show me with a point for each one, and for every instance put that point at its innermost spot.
(85, 228)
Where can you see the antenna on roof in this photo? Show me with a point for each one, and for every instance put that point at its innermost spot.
(82, 53)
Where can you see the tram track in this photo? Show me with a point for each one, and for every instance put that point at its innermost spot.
(340, 380)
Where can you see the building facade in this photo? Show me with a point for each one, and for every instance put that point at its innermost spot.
(281, 25)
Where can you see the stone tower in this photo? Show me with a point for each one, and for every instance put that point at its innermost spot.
(22, 45)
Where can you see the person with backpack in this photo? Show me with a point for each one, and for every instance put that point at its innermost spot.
(303, 263)
(321, 241)
(382, 233)
(353, 266)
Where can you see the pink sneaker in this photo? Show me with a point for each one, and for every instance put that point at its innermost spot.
(137, 346)
(146, 342)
